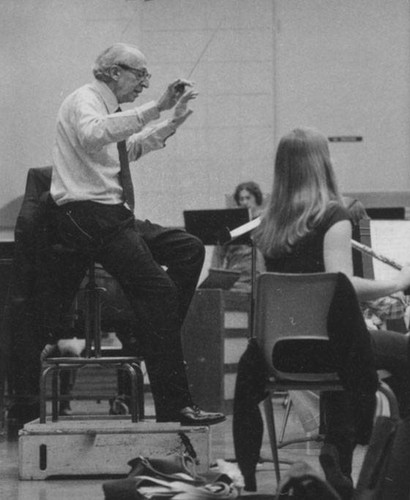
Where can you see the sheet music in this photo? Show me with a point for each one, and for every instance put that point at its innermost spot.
(390, 238)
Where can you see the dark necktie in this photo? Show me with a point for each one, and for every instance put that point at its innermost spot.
(125, 173)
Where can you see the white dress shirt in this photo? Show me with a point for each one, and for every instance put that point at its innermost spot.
(85, 157)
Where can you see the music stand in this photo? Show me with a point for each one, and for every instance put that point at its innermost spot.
(213, 227)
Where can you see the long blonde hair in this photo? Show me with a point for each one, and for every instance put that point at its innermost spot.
(304, 185)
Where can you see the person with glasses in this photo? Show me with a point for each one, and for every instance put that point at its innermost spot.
(91, 209)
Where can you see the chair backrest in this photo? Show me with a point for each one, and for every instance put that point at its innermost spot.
(294, 308)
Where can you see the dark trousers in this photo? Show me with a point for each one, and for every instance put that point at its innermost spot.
(156, 267)
(390, 350)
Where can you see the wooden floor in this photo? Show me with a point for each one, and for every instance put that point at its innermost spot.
(222, 447)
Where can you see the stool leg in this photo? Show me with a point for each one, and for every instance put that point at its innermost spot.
(133, 399)
(124, 387)
(43, 378)
(92, 314)
(87, 324)
(55, 393)
(96, 320)
(2, 396)
(140, 391)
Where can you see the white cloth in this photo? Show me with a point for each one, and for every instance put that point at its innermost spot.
(307, 408)
(85, 157)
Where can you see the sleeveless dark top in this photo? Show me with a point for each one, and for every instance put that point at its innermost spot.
(306, 256)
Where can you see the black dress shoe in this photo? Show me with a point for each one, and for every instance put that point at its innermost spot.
(193, 415)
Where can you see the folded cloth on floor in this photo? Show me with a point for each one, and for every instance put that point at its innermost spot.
(153, 488)
(169, 477)
(172, 468)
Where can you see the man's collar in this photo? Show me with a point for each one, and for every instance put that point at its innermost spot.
(107, 95)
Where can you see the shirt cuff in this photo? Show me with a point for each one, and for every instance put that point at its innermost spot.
(165, 129)
(171, 126)
(148, 112)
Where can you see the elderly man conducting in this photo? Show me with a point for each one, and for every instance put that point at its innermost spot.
(91, 209)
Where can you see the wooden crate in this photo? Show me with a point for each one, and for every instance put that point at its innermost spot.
(102, 447)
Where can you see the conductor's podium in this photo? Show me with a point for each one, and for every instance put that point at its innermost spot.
(103, 447)
(215, 335)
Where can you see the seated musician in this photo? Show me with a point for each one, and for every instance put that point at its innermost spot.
(239, 257)
(376, 314)
(306, 229)
(378, 311)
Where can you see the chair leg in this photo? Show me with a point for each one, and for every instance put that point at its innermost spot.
(285, 419)
(270, 423)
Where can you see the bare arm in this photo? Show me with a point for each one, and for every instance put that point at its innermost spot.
(337, 251)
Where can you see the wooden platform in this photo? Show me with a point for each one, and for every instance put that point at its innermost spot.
(103, 447)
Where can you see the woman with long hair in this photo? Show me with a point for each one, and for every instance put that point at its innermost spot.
(307, 229)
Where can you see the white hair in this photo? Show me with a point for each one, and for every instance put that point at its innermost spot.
(117, 53)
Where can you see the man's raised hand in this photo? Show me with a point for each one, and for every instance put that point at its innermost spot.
(181, 111)
(173, 93)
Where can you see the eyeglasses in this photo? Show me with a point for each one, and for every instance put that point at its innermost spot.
(141, 74)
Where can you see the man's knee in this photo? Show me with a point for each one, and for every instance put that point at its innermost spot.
(197, 250)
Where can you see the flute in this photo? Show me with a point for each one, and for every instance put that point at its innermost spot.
(253, 224)
(369, 251)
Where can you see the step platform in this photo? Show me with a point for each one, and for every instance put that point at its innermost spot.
(92, 448)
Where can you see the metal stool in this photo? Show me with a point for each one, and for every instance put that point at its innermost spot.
(92, 356)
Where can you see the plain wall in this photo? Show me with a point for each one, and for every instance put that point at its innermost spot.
(343, 66)
(261, 68)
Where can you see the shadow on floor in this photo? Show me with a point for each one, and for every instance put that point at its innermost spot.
(257, 496)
